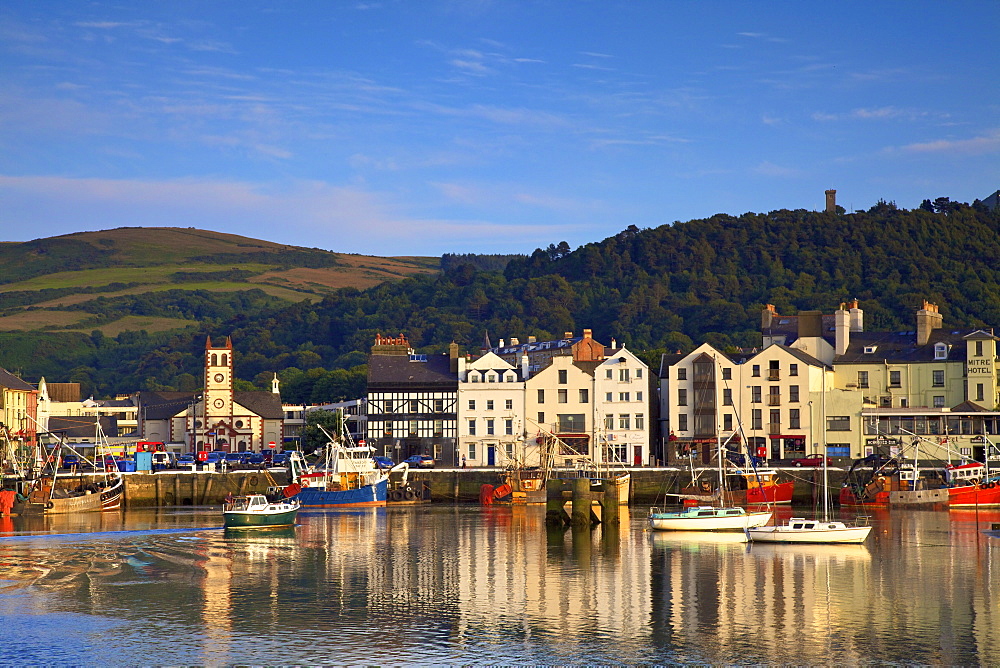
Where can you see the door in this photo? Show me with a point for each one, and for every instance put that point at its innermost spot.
(491, 454)
(637, 458)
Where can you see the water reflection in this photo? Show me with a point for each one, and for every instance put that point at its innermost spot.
(446, 584)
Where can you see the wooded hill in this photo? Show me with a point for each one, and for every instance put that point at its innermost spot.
(659, 289)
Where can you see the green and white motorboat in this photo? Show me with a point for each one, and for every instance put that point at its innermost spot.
(255, 511)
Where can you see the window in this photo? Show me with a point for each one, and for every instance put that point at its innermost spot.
(682, 397)
(838, 423)
(640, 421)
(895, 379)
(414, 406)
(508, 427)
(793, 369)
(940, 351)
(562, 396)
(773, 370)
(623, 375)
(472, 427)
(541, 418)
(624, 396)
(638, 374)
(472, 450)
(609, 421)
(979, 392)
(979, 348)
(727, 422)
(756, 370)
(682, 422)
(938, 378)
(508, 404)
(755, 394)
(938, 402)
(793, 393)
(727, 374)
(624, 420)
(489, 404)
(562, 376)
(472, 404)
(885, 402)
(862, 379)
(727, 397)
(607, 397)
(756, 419)
(438, 427)
(439, 405)
(794, 419)
(541, 396)
(682, 374)
(584, 396)
(489, 427)
(474, 377)
(775, 421)
(491, 378)
(609, 374)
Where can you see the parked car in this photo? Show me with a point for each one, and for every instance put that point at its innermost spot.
(235, 459)
(383, 462)
(70, 462)
(740, 459)
(164, 460)
(279, 459)
(815, 459)
(268, 455)
(255, 459)
(186, 461)
(420, 461)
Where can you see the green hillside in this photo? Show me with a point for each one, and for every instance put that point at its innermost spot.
(73, 282)
(665, 288)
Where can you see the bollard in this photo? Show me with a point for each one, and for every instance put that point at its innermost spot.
(581, 502)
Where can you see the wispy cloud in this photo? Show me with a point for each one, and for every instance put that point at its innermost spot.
(767, 168)
(988, 143)
(870, 114)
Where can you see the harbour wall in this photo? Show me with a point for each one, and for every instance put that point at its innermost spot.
(650, 486)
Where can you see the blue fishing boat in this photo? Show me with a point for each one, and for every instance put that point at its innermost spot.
(348, 477)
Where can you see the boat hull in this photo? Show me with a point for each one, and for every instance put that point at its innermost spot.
(784, 534)
(684, 521)
(259, 520)
(364, 496)
(972, 496)
(778, 493)
(109, 498)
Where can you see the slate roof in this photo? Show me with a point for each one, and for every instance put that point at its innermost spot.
(165, 405)
(902, 346)
(10, 381)
(82, 426)
(391, 371)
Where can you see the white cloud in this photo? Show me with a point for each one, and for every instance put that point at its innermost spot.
(988, 143)
(767, 168)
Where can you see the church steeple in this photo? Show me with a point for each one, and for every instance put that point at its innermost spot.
(274, 384)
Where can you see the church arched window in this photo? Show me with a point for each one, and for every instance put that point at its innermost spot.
(215, 360)
(224, 357)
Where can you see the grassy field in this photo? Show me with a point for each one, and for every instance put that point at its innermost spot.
(145, 260)
(137, 322)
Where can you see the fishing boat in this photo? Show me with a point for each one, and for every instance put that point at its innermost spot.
(51, 494)
(801, 530)
(971, 485)
(748, 487)
(707, 518)
(348, 477)
(256, 511)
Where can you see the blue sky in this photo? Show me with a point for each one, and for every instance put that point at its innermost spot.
(421, 127)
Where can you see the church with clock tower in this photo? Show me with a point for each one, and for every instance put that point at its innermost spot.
(217, 418)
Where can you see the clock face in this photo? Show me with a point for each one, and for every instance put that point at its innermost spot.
(219, 378)
(218, 403)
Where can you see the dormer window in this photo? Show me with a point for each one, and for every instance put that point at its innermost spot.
(941, 351)
(870, 349)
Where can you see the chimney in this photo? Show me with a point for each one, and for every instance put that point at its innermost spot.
(453, 356)
(567, 335)
(614, 344)
(928, 319)
(531, 339)
(588, 334)
(831, 201)
(514, 341)
(810, 324)
(842, 330)
(501, 344)
(524, 366)
(857, 316)
(767, 316)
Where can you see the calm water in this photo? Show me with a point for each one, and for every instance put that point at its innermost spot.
(464, 585)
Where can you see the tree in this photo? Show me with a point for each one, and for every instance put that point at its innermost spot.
(313, 438)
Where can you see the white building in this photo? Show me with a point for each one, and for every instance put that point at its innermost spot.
(621, 409)
(490, 412)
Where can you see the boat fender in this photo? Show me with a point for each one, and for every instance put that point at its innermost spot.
(409, 496)
(253, 481)
(49, 504)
